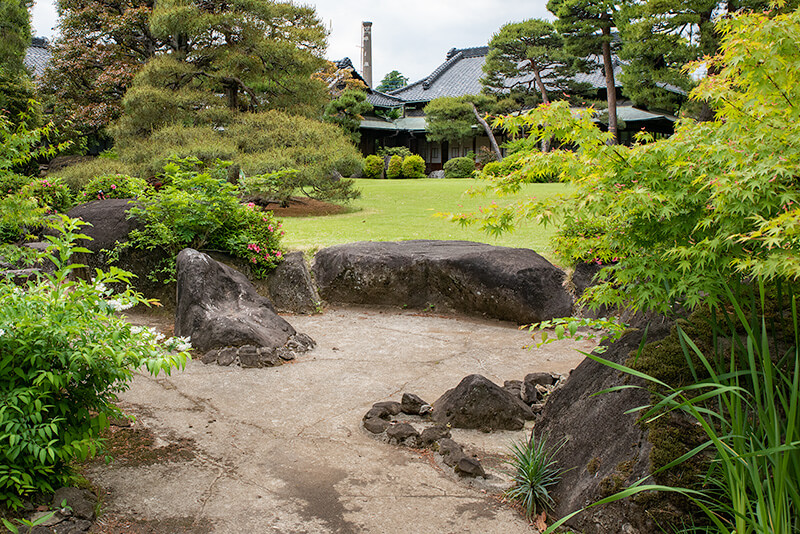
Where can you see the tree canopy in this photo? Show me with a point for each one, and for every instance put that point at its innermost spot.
(586, 26)
(347, 112)
(676, 220)
(393, 80)
(15, 37)
(456, 118)
(526, 57)
(101, 47)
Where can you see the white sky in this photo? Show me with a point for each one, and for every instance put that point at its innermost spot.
(412, 36)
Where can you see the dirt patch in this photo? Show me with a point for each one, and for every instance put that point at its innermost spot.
(137, 446)
(304, 207)
(117, 524)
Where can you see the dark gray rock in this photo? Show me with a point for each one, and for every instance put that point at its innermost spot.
(391, 406)
(81, 502)
(529, 393)
(218, 307)
(376, 425)
(514, 387)
(451, 451)
(381, 412)
(468, 466)
(110, 224)
(411, 404)
(402, 433)
(432, 434)
(601, 439)
(290, 286)
(543, 379)
(504, 283)
(477, 402)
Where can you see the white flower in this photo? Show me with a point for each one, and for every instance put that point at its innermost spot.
(136, 330)
(2, 332)
(121, 304)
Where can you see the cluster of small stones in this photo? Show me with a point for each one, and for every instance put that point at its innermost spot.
(381, 420)
(249, 356)
(534, 388)
(74, 513)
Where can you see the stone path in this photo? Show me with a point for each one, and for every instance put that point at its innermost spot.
(281, 449)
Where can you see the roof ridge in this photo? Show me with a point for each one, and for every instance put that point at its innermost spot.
(441, 69)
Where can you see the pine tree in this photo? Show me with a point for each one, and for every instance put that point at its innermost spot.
(393, 80)
(347, 112)
(243, 55)
(587, 27)
(101, 47)
(528, 56)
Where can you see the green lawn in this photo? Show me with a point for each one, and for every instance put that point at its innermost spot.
(396, 210)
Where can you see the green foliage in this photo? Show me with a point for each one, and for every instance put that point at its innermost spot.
(16, 88)
(395, 167)
(715, 202)
(52, 194)
(201, 209)
(393, 80)
(18, 214)
(413, 166)
(265, 61)
(535, 473)
(373, 166)
(459, 168)
(21, 146)
(65, 356)
(78, 176)
(522, 51)
(748, 408)
(112, 186)
(347, 112)
(509, 165)
(401, 151)
(11, 183)
(260, 143)
(578, 328)
(449, 119)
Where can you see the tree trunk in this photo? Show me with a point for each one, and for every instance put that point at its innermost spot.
(611, 88)
(489, 134)
(540, 83)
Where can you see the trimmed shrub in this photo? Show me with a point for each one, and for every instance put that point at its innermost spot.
(401, 151)
(112, 186)
(260, 143)
(79, 175)
(51, 193)
(395, 168)
(414, 167)
(373, 167)
(459, 168)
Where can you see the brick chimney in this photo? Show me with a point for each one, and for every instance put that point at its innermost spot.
(366, 52)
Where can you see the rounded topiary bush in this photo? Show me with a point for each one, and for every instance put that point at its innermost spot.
(112, 186)
(459, 168)
(395, 168)
(414, 167)
(373, 167)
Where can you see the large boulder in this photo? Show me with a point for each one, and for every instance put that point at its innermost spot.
(477, 402)
(110, 225)
(503, 283)
(605, 449)
(290, 286)
(218, 308)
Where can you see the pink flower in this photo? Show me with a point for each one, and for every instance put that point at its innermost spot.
(113, 186)
(251, 205)
(270, 227)
(279, 254)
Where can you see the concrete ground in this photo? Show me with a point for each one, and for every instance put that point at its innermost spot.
(282, 450)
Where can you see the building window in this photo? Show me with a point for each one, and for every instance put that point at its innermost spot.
(434, 152)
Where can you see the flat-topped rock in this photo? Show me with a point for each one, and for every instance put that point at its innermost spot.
(510, 284)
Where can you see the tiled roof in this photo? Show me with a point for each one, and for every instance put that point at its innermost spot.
(37, 57)
(459, 75)
(382, 100)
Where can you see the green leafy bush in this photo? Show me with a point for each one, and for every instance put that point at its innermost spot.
(401, 151)
(373, 167)
(395, 167)
(201, 209)
(18, 214)
(11, 183)
(459, 168)
(64, 355)
(112, 186)
(414, 166)
(534, 473)
(51, 193)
